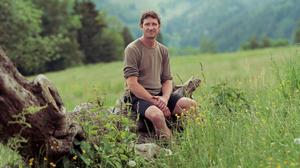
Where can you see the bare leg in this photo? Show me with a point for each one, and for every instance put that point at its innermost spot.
(184, 104)
(156, 116)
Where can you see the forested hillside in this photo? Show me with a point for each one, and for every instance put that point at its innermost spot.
(50, 35)
(227, 23)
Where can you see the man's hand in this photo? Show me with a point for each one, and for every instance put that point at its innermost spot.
(163, 99)
(161, 103)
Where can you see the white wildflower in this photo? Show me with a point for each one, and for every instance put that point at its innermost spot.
(297, 141)
(131, 163)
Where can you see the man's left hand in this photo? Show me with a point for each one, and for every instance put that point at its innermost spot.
(166, 110)
(162, 105)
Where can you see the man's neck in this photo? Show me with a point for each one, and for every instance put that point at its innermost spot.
(151, 43)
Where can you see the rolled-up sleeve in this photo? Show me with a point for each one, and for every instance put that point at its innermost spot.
(130, 62)
(166, 73)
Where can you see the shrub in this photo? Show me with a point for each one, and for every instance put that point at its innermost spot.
(227, 99)
(109, 141)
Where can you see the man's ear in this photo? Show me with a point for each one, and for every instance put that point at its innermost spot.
(141, 26)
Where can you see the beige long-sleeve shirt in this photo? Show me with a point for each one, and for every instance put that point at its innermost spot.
(150, 65)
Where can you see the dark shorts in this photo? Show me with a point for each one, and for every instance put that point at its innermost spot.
(140, 105)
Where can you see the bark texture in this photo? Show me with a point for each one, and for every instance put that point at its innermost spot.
(35, 111)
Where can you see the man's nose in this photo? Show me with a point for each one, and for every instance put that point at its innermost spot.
(151, 27)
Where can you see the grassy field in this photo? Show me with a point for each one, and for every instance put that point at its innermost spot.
(249, 103)
(81, 84)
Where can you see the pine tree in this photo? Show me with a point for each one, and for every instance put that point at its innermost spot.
(265, 42)
(100, 42)
(127, 37)
(297, 35)
(253, 43)
(91, 30)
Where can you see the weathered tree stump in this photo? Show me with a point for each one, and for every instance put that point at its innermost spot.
(34, 111)
(187, 88)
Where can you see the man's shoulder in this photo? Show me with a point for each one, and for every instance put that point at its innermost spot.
(162, 48)
(135, 45)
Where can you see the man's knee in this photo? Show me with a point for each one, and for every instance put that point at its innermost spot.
(186, 103)
(192, 103)
(154, 114)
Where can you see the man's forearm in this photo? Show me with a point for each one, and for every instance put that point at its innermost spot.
(140, 92)
(167, 89)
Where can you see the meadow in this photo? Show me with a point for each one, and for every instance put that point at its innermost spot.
(248, 103)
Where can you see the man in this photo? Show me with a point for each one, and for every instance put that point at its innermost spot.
(149, 80)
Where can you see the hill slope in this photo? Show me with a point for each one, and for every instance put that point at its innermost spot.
(228, 23)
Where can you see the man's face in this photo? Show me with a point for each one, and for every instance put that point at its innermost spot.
(150, 28)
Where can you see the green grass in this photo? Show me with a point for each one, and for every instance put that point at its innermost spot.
(81, 84)
(261, 136)
(8, 157)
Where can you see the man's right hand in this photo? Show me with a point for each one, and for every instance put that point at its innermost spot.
(161, 105)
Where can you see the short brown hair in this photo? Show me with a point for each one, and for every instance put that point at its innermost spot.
(149, 14)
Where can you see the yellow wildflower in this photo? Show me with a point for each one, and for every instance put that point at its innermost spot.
(74, 157)
(278, 165)
(30, 161)
(52, 164)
